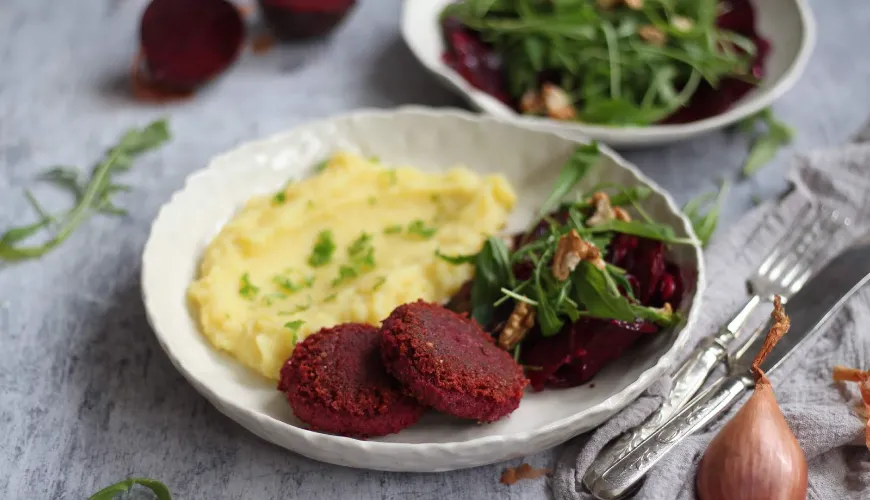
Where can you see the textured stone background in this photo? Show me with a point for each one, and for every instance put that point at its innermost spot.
(86, 395)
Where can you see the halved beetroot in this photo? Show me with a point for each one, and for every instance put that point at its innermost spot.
(297, 19)
(186, 43)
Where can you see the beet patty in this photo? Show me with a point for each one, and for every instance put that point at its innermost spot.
(336, 382)
(448, 362)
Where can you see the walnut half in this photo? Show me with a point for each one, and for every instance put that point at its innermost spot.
(518, 324)
(570, 251)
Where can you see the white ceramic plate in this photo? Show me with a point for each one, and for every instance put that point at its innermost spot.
(788, 24)
(430, 140)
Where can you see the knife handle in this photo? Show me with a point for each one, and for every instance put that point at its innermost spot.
(685, 383)
(624, 476)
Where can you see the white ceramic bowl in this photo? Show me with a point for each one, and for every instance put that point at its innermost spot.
(430, 140)
(788, 24)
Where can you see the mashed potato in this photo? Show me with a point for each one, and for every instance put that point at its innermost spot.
(346, 245)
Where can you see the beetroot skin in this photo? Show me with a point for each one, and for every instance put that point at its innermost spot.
(335, 382)
(298, 19)
(448, 362)
(186, 43)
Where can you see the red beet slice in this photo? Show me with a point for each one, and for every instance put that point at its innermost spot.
(186, 43)
(476, 61)
(579, 351)
(298, 19)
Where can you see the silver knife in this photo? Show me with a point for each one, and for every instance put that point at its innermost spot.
(808, 309)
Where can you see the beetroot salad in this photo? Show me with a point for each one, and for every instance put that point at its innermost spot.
(610, 62)
(581, 286)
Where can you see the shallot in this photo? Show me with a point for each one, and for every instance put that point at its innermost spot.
(755, 456)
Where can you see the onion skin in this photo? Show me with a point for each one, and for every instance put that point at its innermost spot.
(755, 456)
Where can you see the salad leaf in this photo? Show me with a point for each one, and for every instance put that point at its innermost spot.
(766, 144)
(651, 230)
(577, 166)
(703, 222)
(492, 272)
(605, 58)
(110, 492)
(91, 196)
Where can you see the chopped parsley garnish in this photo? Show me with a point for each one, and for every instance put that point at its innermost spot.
(281, 196)
(361, 259)
(309, 204)
(294, 327)
(374, 159)
(361, 247)
(394, 229)
(379, 283)
(286, 283)
(268, 299)
(321, 166)
(304, 307)
(330, 298)
(392, 177)
(323, 249)
(419, 228)
(246, 288)
(345, 273)
(372, 200)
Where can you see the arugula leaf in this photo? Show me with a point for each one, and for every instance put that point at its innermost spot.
(492, 272)
(626, 196)
(765, 145)
(596, 290)
(600, 298)
(95, 196)
(705, 223)
(651, 230)
(577, 166)
(110, 492)
(456, 259)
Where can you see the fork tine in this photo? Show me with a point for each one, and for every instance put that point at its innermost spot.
(797, 248)
(793, 233)
(796, 268)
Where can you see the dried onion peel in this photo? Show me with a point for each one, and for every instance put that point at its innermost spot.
(843, 374)
(755, 456)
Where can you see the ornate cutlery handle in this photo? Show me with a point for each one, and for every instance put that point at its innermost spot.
(684, 384)
(624, 476)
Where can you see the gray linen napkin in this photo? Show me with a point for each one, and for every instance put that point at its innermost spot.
(820, 412)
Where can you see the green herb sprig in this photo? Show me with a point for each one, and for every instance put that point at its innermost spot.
(92, 196)
(110, 492)
(704, 221)
(765, 144)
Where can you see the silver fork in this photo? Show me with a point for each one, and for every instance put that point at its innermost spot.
(783, 272)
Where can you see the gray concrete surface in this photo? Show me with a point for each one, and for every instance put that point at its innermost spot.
(86, 395)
